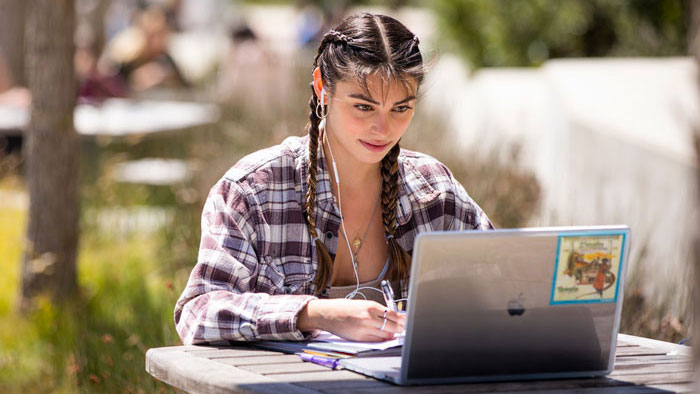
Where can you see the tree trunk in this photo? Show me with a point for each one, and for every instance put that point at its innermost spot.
(51, 153)
(694, 50)
(12, 18)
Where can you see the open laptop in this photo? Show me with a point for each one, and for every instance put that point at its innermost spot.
(517, 304)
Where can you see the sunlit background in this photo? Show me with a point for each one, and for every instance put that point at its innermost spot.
(550, 112)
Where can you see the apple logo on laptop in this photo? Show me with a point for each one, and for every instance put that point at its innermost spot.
(516, 306)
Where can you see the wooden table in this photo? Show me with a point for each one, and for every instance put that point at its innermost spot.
(641, 366)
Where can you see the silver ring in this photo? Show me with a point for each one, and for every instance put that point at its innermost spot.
(383, 325)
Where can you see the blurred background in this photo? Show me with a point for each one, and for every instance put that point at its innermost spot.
(116, 117)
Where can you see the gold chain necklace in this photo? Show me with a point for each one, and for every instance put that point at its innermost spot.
(358, 242)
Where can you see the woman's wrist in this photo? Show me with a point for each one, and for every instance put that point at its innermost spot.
(308, 318)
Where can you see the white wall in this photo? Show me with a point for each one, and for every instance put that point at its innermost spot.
(610, 141)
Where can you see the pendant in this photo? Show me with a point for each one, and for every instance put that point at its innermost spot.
(356, 243)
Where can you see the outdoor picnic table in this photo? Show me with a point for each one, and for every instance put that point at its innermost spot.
(121, 116)
(641, 366)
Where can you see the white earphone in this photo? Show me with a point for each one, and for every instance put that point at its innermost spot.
(322, 125)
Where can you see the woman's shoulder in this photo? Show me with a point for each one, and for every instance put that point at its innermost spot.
(277, 159)
(417, 167)
(425, 179)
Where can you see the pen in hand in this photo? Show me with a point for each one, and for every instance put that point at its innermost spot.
(388, 295)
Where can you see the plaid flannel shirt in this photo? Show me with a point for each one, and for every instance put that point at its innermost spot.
(256, 261)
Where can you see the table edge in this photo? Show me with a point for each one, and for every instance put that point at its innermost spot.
(174, 366)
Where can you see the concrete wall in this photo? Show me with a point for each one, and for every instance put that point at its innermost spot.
(610, 141)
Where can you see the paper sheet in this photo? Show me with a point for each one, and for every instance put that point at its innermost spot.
(334, 339)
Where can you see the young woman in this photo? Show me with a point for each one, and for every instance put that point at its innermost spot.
(297, 237)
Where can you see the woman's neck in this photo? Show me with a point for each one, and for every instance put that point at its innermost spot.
(356, 177)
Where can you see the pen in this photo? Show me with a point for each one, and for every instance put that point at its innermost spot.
(325, 361)
(388, 295)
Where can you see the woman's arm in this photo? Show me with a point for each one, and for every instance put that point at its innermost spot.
(220, 301)
(355, 320)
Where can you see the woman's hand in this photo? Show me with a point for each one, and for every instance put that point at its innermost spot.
(355, 320)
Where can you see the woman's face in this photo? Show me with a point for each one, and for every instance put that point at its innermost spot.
(367, 127)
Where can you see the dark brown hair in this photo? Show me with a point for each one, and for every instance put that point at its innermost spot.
(363, 45)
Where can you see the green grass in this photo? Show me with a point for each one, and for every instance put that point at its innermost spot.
(97, 344)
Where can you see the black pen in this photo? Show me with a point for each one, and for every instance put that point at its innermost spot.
(388, 295)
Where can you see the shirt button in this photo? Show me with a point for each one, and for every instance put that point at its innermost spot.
(287, 290)
(329, 234)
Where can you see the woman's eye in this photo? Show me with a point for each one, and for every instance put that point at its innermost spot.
(363, 107)
(402, 108)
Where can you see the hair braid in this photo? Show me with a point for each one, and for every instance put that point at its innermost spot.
(325, 263)
(399, 260)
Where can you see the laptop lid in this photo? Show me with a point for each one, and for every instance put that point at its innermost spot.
(514, 304)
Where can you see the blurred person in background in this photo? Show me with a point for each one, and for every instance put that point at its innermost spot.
(246, 69)
(287, 248)
(95, 84)
(139, 53)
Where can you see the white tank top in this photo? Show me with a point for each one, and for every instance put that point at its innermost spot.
(370, 294)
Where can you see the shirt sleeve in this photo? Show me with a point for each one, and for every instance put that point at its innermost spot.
(220, 301)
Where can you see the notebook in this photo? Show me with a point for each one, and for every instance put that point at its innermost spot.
(516, 304)
(330, 345)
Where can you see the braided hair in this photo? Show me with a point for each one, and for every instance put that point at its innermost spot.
(363, 44)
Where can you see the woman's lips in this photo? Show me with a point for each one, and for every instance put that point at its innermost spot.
(374, 147)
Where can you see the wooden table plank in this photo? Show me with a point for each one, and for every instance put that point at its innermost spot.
(327, 375)
(604, 390)
(658, 378)
(224, 353)
(651, 360)
(201, 375)
(300, 367)
(639, 351)
(253, 360)
(669, 347)
(503, 387)
(635, 369)
(678, 387)
(348, 386)
(330, 380)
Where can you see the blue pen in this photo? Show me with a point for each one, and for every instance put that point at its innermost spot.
(325, 361)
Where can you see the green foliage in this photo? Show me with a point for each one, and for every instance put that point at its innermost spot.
(97, 343)
(506, 33)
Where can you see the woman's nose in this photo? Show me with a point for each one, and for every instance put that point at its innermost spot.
(381, 125)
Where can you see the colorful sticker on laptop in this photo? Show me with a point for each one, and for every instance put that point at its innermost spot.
(587, 269)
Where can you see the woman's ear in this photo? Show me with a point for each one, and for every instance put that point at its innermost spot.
(318, 82)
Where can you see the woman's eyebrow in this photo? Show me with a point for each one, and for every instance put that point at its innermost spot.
(365, 98)
(362, 97)
(407, 99)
